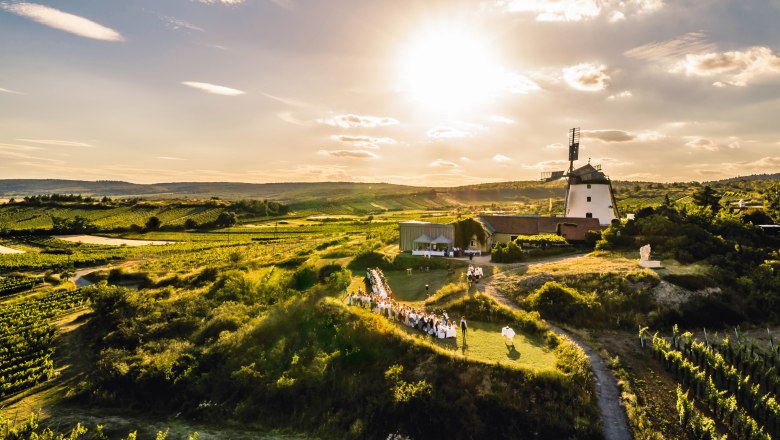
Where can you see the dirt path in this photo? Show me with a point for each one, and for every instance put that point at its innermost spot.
(80, 281)
(613, 415)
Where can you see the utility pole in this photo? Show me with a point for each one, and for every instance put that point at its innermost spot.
(276, 230)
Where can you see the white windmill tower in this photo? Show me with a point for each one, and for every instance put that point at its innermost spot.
(588, 190)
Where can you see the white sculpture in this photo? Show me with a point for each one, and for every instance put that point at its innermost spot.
(644, 258)
(644, 253)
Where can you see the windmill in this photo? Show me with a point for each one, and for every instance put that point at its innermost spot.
(574, 153)
(588, 190)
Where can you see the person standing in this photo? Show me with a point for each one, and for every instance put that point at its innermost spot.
(463, 328)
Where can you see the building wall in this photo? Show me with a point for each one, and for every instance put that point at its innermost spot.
(600, 205)
(500, 237)
(409, 231)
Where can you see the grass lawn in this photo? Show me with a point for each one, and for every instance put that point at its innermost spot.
(484, 343)
(411, 288)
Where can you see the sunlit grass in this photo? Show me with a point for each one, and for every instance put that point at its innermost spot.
(484, 343)
(411, 288)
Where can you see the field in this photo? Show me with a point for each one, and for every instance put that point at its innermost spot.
(237, 324)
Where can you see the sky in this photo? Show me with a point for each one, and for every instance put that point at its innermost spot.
(435, 92)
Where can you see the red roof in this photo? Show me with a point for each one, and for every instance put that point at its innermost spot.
(572, 228)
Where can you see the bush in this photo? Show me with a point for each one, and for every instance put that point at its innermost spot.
(483, 308)
(506, 253)
(369, 258)
(304, 278)
(327, 270)
(556, 301)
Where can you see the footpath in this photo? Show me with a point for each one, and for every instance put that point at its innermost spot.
(613, 414)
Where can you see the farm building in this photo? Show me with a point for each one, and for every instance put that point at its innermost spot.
(505, 228)
(421, 237)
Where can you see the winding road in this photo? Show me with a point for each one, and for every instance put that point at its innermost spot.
(613, 414)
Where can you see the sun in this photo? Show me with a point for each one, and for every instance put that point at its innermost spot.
(450, 69)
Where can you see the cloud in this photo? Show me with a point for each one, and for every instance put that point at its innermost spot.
(2, 90)
(351, 120)
(221, 2)
(556, 10)
(609, 135)
(441, 163)
(57, 142)
(63, 21)
(700, 143)
(213, 88)
(514, 83)
(353, 154)
(18, 147)
(650, 135)
(690, 43)
(616, 16)
(289, 117)
(580, 10)
(765, 162)
(364, 141)
(170, 158)
(625, 94)
(288, 101)
(502, 119)
(177, 23)
(555, 146)
(735, 68)
(548, 165)
(762, 165)
(587, 76)
(446, 133)
(500, 158)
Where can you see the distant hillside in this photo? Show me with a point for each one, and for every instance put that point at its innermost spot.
(528, 197)
(227, 190)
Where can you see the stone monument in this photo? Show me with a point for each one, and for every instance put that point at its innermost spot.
(644, 258)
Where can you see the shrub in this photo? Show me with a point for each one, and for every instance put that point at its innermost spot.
(327, 270)
(506, 253)
(483, 308)
(369, 258)
(304, 278)
(556, 301)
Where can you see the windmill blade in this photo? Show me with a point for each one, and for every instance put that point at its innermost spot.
(550, 176)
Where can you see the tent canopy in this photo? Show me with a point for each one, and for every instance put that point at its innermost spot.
(441, 240)
(422, 239)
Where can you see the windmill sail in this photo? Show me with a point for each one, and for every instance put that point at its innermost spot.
(574, 144)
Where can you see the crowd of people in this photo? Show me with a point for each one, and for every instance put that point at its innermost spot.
(380, 301)
(473, 274)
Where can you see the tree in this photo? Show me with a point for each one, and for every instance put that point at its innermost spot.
(226, 219)
(190, 224)
(153, 223)
(67, 274)
(706, 196)
(772, 201)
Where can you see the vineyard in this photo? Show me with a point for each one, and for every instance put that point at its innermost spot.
(735, 382)
(105, 217)
(14, 284)
(26, 337)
